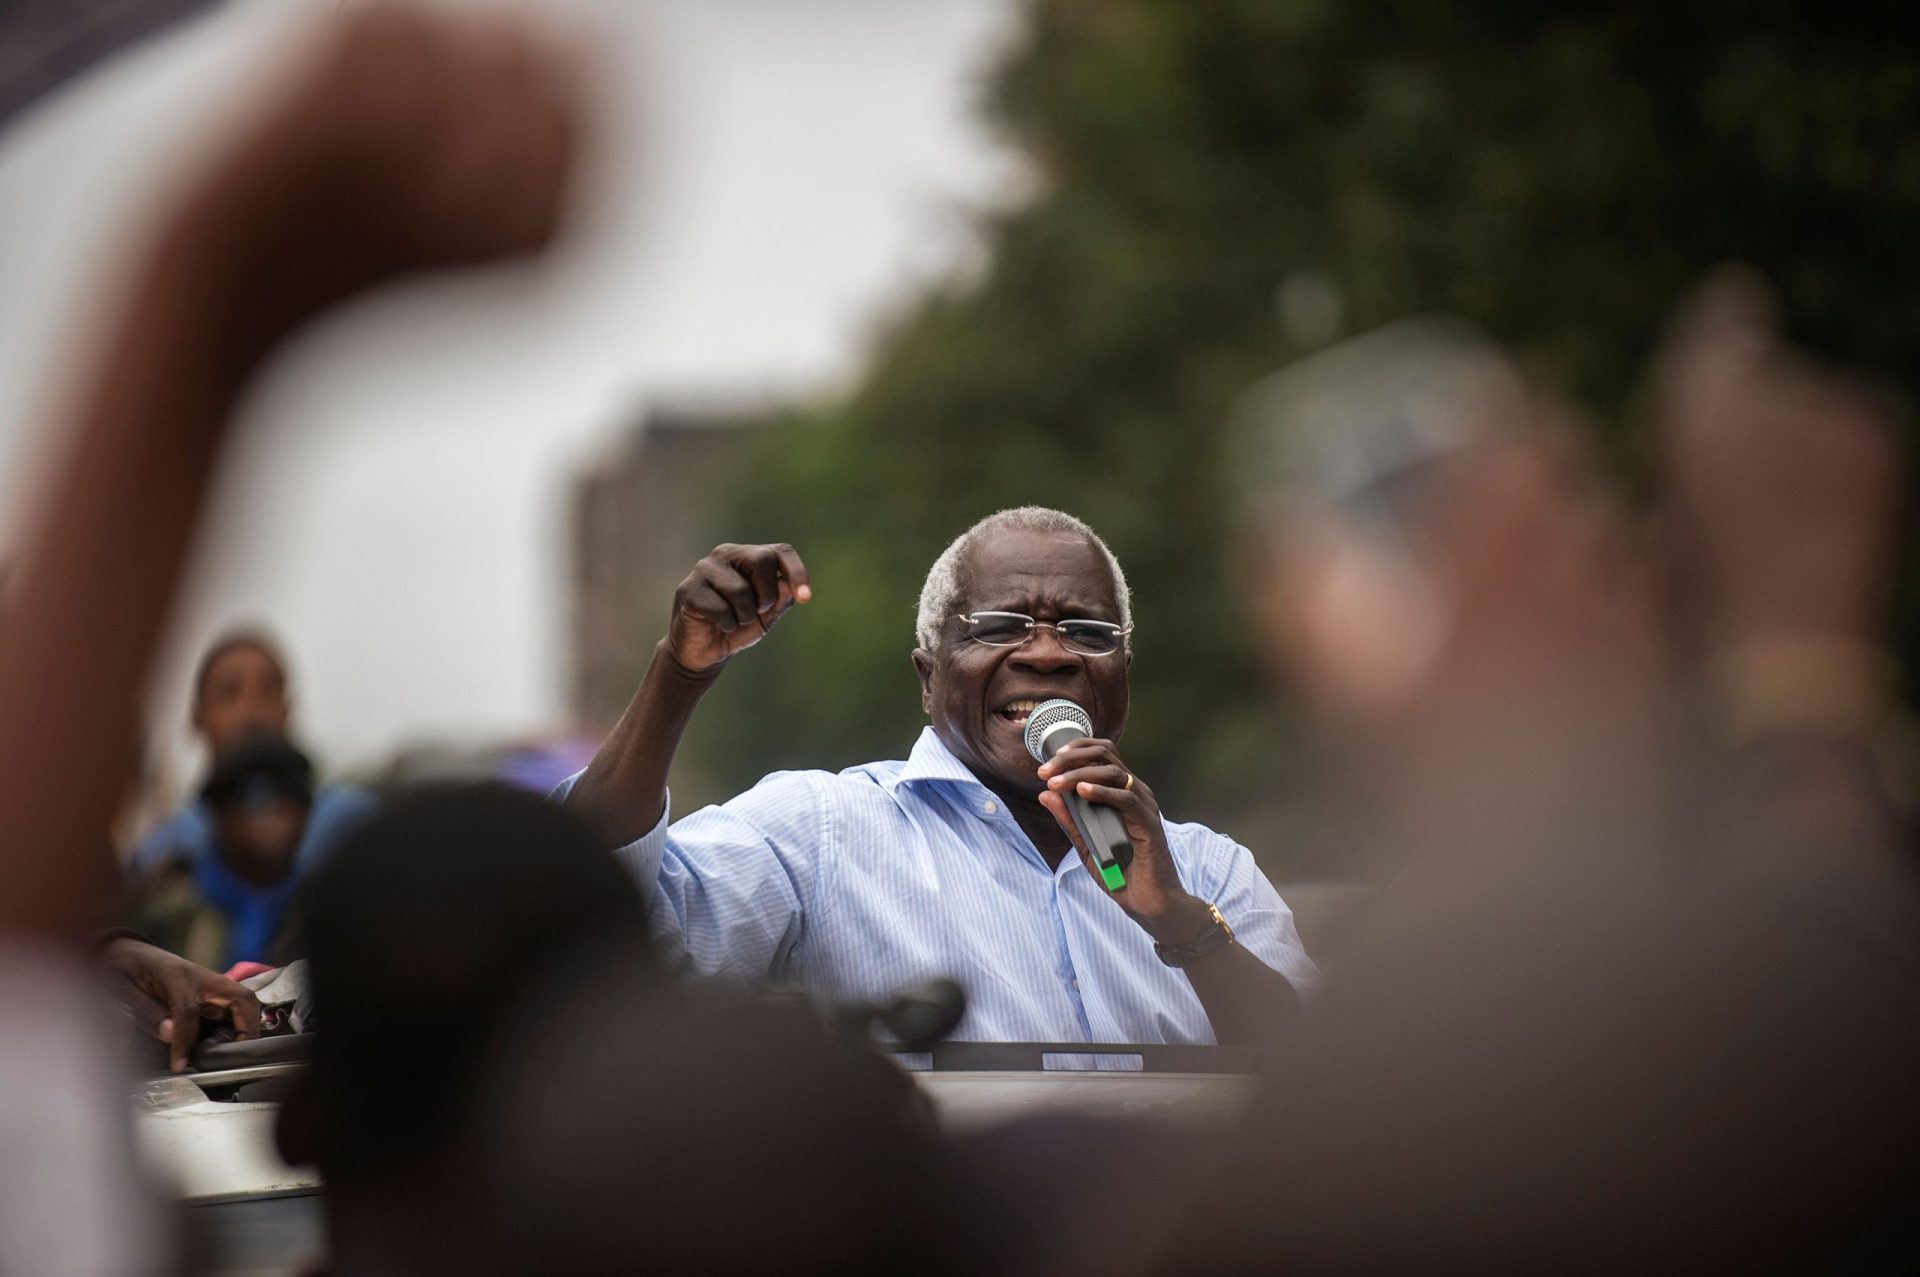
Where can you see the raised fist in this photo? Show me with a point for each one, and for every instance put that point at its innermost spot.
(731, 600)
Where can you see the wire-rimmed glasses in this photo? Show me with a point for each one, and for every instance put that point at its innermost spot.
(1080, 635)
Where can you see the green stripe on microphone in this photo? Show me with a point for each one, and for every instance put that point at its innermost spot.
(1114, 878)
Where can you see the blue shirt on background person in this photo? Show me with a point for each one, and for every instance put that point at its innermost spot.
(240, 693)
(187, 834)
(221, 875)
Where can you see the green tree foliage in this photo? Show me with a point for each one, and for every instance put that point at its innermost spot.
(1558, 173)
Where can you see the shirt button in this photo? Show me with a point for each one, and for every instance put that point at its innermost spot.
(990, 808)
(1076, 985)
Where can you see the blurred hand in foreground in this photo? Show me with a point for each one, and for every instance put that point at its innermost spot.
(1482, 645)
(400, 140)
(1613, 912)
(1783, 478)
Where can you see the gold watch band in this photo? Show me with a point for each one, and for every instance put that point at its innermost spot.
(1218, 935)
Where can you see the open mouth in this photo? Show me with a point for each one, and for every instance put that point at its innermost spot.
(1016, 712)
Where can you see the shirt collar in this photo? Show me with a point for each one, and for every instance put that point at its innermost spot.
(931, 760)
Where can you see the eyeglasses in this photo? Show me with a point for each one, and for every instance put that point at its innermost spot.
(1077, 634)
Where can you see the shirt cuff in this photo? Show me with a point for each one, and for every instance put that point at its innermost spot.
(643, 855)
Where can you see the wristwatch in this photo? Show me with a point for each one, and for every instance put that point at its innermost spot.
(1216, 936)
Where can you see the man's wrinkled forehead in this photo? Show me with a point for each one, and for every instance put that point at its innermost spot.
(1029, 571)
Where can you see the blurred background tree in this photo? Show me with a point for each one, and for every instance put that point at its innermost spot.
(1223, 185)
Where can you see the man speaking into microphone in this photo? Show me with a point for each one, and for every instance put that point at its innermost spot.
(966, 860)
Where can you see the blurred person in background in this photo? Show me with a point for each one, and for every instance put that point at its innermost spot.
(239, 692)
(961, 861)
(229, 904)
(1645, 986)
(395, 142)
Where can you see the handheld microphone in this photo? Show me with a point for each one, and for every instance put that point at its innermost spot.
(1052, 725)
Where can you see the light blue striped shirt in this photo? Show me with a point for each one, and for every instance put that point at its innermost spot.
(857, 884)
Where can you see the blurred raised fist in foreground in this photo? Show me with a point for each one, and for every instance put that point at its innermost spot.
(397, 139)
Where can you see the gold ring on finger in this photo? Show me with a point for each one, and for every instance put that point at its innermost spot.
(1129, 782)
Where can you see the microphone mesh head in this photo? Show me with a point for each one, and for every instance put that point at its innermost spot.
(1048, 715)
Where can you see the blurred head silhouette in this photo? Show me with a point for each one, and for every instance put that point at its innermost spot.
(422, 931)
(696, 1129)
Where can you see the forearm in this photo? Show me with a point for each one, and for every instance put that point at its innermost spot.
(1248, 1003)
(624, 789)
(95, 583)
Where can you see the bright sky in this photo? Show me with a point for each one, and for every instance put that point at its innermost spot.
(777, 174)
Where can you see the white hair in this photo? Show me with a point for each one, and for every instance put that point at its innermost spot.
(940, 596)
